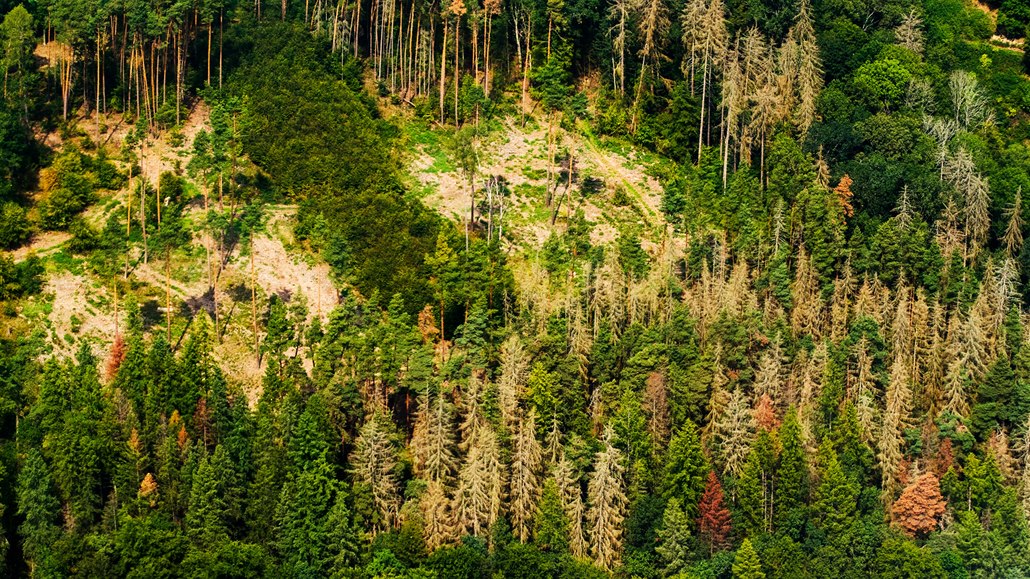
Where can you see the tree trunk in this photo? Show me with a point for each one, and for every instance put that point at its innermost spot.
(443, 73)
(487, 32)
(457, 79)
(704, 93)
(168, 296)
(253, 306)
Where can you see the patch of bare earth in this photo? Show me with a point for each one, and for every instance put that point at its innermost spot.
(274, 270)
(72, 313)
(41, 244)
(520, 156)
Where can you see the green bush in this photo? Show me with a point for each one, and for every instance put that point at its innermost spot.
(14, 226)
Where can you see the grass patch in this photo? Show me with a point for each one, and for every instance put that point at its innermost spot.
(530, 192)
(433, 143)
(62, 260)
(37, 309)
(534, 174)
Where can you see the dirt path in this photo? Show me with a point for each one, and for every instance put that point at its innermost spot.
(41, 245)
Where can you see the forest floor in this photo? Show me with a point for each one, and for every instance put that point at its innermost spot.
(613, 184)
(77, 306)
(612, 181)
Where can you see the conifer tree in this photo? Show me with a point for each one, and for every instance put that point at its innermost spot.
(512, 380)
(1013, 238)
(480, 490)
(734, 432)
(342, 536)
(755, 487)
(572, 502)
(551, 525)
(706, 41)
(525, 471)
(768, 378)
(809, 67)
(433, 440)
(674, 537)
(438, 521)
(714, 520)
(606, 495)
(303, 517)
(746, 564)
(836, 497)
(895, 420)
(653, 27)
(685, 468)
(40, 510)
(373, 461)
(206, 518)
(920, 506)
(791, 478)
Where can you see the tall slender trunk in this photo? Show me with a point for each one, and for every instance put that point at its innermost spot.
(457, 79)
(168, 295)
(726, 157)
(220, 46)
(357, 24)
(475, 51)
(704, 93)
(159, 201)
(253, 306)
(443, 73)
(487, 32)
(97, 111)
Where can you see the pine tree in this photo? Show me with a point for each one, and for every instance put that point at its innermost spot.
(373, 461)
(40, 509)
(685, 468)
(438, 521)
(674, 539)
(746, 565)
(433, 439)
(206, 518)
(920, 506)
(551, 525)
(607, 499)
(791, 478)
(571, 493)
(342, 536)
(835, 499)
(525, 471)
(714, 520)
(512, 380)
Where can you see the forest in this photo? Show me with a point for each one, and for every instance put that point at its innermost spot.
(385, 289)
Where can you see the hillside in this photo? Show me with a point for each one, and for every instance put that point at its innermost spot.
(383, 290)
